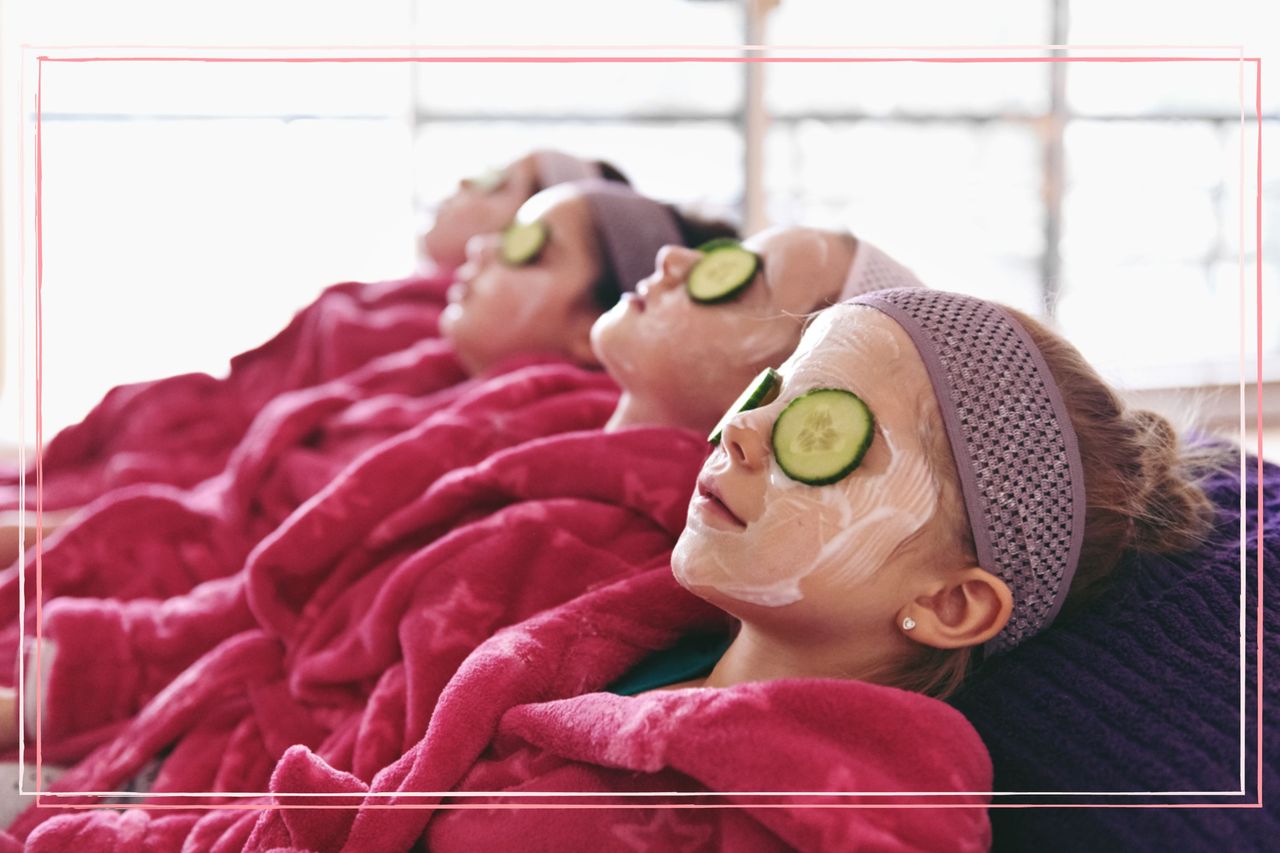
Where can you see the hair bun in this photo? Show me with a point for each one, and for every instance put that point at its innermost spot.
(1169, 508)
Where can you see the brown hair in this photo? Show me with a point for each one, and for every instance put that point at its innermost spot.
(1142, 493)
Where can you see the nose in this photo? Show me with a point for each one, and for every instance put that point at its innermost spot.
(746, 439)
(671, 268)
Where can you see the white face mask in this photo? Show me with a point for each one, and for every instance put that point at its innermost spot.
(849, 528)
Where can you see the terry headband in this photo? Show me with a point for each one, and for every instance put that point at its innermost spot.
(872, 270)
(632, 228)
(556, 167)
(1014, 446)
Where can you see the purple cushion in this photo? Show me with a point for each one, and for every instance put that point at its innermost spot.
(1142, 693)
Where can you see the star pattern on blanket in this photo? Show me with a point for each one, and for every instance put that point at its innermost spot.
(458, 620)
(665, 829)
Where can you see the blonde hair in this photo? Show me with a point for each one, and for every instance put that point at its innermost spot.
(1142, 493)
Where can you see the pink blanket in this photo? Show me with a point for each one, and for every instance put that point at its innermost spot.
(158, 540)
(113, 654)
(530, 527)
(520, 716)
(182, 429)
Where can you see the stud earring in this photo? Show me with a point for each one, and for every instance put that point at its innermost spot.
(908, 624)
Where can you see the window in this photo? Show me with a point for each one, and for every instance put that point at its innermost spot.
(191, 208)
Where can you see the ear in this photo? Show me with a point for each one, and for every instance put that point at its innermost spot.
(968, 608)
(578, 343)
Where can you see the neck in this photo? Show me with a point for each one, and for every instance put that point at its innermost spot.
(635, 411)
(758, 655)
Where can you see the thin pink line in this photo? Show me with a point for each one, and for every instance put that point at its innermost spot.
(644, 59)
(39, 406)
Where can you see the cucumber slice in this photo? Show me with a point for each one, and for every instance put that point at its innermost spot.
(822, 435)
(718, 243)
(522, 242)
(722, 273)
(762, 391)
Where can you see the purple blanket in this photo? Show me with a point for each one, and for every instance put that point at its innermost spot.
(1142, 693)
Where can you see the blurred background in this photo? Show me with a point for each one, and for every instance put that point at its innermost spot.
(189, 208)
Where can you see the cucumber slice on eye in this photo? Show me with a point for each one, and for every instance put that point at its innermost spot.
(762, 391)
(821, 436)
(522, 242)
(718, 243)
(722, 273)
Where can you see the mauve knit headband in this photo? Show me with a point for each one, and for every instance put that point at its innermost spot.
(557, 167)
(872, 270)
(1014, 446)
(632, 228)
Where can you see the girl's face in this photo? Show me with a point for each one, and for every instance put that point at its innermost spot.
(691, 360)
(822, 559)
(480, 205)
(544, 306)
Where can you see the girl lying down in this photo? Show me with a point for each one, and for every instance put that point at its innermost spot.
(909, 493)
(182, 429)
(398, 547)
(157, 541)
(919, 492)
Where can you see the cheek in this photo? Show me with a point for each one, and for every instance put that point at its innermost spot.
(718, 350)
(840, 534)
(480, 214)
(875, 516)
(762, 565)
(510, 297)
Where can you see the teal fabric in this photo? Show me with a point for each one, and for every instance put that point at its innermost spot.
(692, 657)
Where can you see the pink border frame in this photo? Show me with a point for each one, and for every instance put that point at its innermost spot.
(597, 59)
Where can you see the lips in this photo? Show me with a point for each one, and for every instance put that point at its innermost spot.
(711, 501)
(634, 300)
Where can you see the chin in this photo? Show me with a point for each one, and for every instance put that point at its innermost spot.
(453, 330)
(610, 345)
(449, 319)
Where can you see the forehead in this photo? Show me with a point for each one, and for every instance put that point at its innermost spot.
(778, 241)
(552, 202)
(802, 266)
(566, 214)
(856, 345)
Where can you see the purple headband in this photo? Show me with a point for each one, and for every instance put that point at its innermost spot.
(1013, 442)
(632, 228)
(872, 270)
(557, 167)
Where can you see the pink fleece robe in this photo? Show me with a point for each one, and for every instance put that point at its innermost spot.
(182, 429)
(521, 715)
(115, 655)
(528, 529)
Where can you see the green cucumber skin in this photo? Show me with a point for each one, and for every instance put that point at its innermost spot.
(531, 256)
(719, 243)
(765, 382)
(729, 294)
(858, 454)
